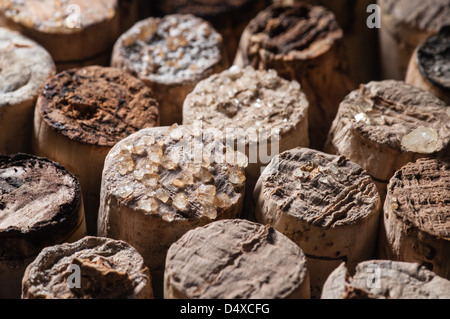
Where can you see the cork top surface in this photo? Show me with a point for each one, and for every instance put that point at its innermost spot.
(109, 269)
(170, 50)
(97, 105)
(235, 259)
(35, 194)
(320, 189)
(397, 115)
(24, 68)
(175, 173)
(419, 193)
(385, 279)
(293, 32)
(246, 99)
(64, 17)
(200, 8)
(433, 57)
(427, 15)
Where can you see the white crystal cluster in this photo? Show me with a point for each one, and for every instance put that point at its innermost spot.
(154, 173)
(180, 47)
(363, 111)
(422, 140)
(309, 171)
(247, 98)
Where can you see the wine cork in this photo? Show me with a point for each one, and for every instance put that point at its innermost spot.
(80, 114)
(416, 225)
(429, 66)
(40, 205)
(326, 204)
(72, 33)
(170, 55)
(229, 17)
(24, 68)
(404, 25)
(360, 38)
(106, 269)
(258, 113)
(161, 182)
(303, 43)
(384, 125)
(235, 259)
(385, 279)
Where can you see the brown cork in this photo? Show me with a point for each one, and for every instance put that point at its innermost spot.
(416, 225)
(39, 201)
(304, 43)
(109, 269)
(429, 15)
(385, 279)
(235, 259)
(229, 17)
(170, 55)
(97, 105)
(70, 31)
(421, 191)
(384, 125)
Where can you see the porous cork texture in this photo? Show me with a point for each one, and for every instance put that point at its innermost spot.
(97, 105)
(24, 68)
(384, 125)
(235, 259)
(40, 205)
(314, 198)
(109, 269)
(385, 279)
(161, 182)
(72, 32)
(416, 223)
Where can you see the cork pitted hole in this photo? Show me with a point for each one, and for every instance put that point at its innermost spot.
(235, 259)
(24, 68)
(383, 279)
(97, 105)
(161, 182)
(384, 125)
(314, 198)
(107, 269)
(417, 216)
(40, 205)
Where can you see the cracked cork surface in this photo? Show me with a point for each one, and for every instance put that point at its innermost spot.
(169, 172)
(109, 269)
(38, 198)
(97, 105)
(419, 194)
(383, 279)
(234, 259)
(397, 115)
(323, 190)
